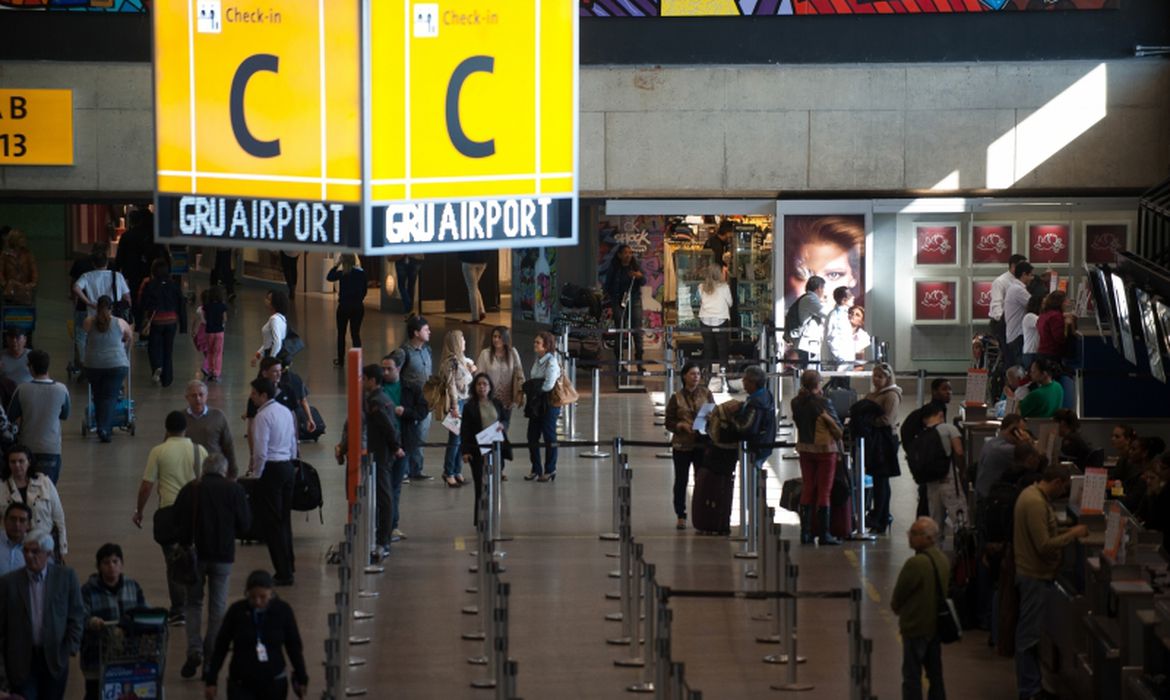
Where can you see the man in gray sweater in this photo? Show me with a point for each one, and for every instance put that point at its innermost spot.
(39, 407)
(209, 427)
(416, 369)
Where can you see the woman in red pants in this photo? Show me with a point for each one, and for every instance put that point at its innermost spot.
(817, 437)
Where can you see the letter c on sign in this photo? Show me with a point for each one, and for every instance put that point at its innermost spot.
(469, 148)
(250, 66)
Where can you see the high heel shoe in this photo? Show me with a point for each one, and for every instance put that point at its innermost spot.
(547, 477)
(530, 477)
(451, 482)
(459, 478)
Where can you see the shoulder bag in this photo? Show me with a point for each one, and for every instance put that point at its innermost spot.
(121, 309)
(563, 392)
(291, 345)
(182, 559)
(947, 628)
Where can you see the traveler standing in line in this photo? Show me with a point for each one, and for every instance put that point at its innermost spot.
(274, 446)
(1030, 331)
(456, 371)
(81, 266)
(211, 514)
(686, 443)
(164, 314)
(1046, 395)
(260, 630)
(861, 339)
(416, 369)
(105, 598)
(915, 602)
(999, 289)
(100, 282)
(172, 464)
(39, 407)
(106, 362)
(542, 415)
(840, 352)
(501, 363)
(36, 656)
(817, 436)
(1056, 327)
(274, 330)
(24, 484)
(480, 411)
(623, 283)
(408, 409)
(946, 498)
(288, 265)
(806, 330)
(351, 307)
(214, 313)
(406, 269)
(1038, 543)
(474, 262)
(883, 463)
(209, 427)
(1015, 305)
(715, 304)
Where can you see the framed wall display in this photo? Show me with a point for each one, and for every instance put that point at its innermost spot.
(1104, 240)
(992, 243)
(936, 300)
(981, 298)
(936, 244)
(1049, 243)
(1149, 324)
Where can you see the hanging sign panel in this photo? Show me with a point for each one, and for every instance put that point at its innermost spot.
(474, 125)
(257, 122)
(36, 127)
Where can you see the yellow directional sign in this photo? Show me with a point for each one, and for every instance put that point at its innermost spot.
(36, 127)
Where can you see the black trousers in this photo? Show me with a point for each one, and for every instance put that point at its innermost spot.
(288, 264)
(351, 316)
(161, 350)
(273, 514)
(222, 272)
(716, 346)
(276, 689)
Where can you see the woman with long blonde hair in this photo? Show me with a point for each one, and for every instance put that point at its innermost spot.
(715, 313)
(351, 305)
(456, 371)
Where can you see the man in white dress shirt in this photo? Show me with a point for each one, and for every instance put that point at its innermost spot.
(274, 446)
(1015, 305)
(998, 292)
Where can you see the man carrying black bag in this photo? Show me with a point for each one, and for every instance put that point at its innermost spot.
(916, 601)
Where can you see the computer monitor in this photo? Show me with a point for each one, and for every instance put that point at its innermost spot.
(1149, 325)
(1123, 317)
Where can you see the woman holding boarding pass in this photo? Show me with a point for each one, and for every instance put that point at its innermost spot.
(480, 412)
(686, 443)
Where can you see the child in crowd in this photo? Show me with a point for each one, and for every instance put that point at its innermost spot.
(209, 337)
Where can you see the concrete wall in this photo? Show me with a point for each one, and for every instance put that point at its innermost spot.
(748, 130)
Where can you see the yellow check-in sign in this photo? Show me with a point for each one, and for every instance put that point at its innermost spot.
(36, 127)
(386, 126)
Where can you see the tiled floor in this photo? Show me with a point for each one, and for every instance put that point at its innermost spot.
(556, 563)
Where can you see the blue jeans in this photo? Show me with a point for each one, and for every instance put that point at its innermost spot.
(106, 384)
(544, 427)
(1029, 627)
(216, 574)
(452, 460)
(49, 465)
(414, 451)
(919, 654)
(397, 475)
(406, 270)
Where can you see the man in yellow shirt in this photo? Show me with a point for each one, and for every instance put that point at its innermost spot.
(1037, 542)
(172, 464)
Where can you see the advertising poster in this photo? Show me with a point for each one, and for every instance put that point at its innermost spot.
(1049, 244)
(831, 247)
(1104, 241)
(804, 8)
(936, 301)
(936, 244)
(646, 237)
(991, 243)
(535, 284)
(980, 299)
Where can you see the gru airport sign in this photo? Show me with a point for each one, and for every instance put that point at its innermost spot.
(381, 127)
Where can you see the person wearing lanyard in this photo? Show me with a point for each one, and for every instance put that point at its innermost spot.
(261, 629)
(274, 446)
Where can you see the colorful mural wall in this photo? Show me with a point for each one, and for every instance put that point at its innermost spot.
(711, 8)
(133, 6)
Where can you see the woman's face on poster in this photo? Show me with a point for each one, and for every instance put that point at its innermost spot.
(826, 260)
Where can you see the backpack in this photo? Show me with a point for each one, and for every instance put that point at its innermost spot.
(911, 428)
(999, 511)
(307, 489)
(792, 324)
(928, 458)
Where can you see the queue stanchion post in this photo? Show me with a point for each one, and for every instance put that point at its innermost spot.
(662, 665)
(632, 605)
(625, 493)
(791, 684)
(855, 645)
(481, 573)
(595, 452)
(759, 525)
(745, 498)
(511, 670)
(369, 503)
(500, 612)
(768, 582)
(359, 557)
(861, 534)
(1079, 390)
(780, 572)
(649, 614)
(496, 478)
(491, 632)
(616, 481)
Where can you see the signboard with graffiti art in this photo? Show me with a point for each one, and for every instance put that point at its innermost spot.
(936, 245)
(1104, 240)
(981, 298)
(936, 300)
(992, 243)
(772, 8)
(132, 6)
(645, 237)
(1049, 243)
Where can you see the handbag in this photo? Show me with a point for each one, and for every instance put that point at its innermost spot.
(121, 309)
(182, 559)
(947, 628)
(563, 392)
(291, 345)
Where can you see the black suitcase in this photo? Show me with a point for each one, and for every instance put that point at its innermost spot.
(711, 501)
(254, 534)
(303, 434)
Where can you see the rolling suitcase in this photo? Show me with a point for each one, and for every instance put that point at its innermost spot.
(711, 502)
(254, 534)
(302, 421)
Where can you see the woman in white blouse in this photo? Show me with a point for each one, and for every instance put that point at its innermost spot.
(500, 361)
(542, 415)
(22, 484)
(715, 313)
(456, 371)
(274, 330)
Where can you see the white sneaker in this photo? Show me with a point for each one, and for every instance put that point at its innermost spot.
(157, 376)
(396, 535)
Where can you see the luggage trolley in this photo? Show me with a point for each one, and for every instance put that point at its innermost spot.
(134, 656)
(123, 407)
